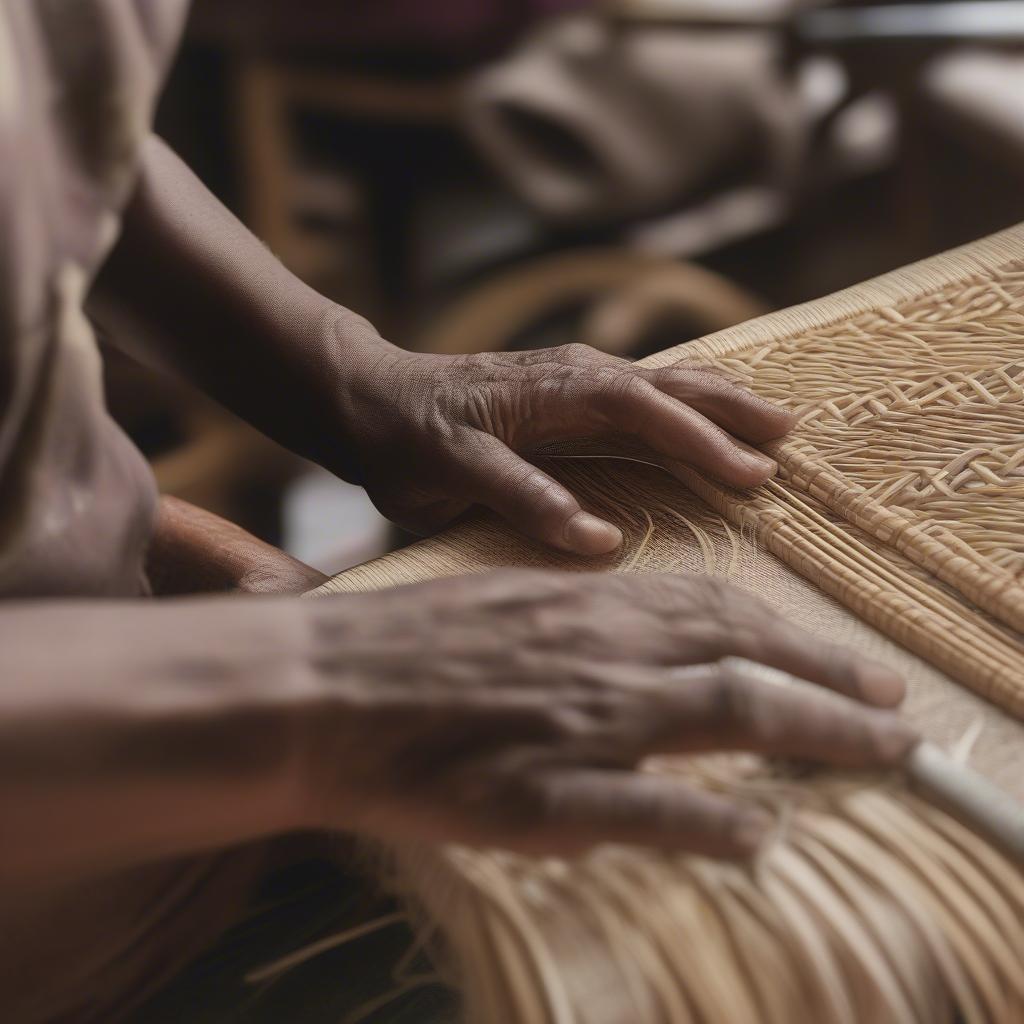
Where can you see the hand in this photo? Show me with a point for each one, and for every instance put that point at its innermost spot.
(436, 434)
(512, 709)
(194, 551)
(187, 287)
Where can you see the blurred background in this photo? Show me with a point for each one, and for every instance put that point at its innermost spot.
(521, 173)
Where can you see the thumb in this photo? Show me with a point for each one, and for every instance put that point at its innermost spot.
(532, 501)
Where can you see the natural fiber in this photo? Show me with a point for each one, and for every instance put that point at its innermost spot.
(911, 429)
(870, 907)
(896, 498)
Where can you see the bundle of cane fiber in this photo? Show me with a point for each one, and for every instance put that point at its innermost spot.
(895, 526)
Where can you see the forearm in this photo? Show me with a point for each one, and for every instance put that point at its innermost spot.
(138, 731)
(188, 287)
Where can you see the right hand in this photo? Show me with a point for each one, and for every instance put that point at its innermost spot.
(512, 709)
(430, 435)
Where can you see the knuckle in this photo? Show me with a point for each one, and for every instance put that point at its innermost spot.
(717, 596)
(574, 352)
(739, 704)
(477, 403)
(624, 387)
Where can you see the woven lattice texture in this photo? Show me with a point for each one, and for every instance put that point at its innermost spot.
(911, 431)
(868, 906)
(912, 427)
(916, 411)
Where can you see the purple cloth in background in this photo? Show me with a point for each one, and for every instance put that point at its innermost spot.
(441, 21)
(459, 29)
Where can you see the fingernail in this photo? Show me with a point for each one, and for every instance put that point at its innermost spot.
(591, 536)
(761, 463)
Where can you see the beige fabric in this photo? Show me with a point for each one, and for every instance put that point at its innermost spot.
(78, 81)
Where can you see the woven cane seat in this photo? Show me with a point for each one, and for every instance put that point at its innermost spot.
(892, 527)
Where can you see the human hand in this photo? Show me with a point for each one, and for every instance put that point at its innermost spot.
(193, 551)
(512, 709)
(435, 434)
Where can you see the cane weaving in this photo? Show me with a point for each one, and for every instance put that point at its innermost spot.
(898, 502)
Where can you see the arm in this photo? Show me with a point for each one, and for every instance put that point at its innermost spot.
(189, 288)
(427, 435)
(493, 709)
(137, 731)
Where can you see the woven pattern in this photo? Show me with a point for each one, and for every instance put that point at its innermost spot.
(910, 442)
(914, 414)
(874, 908)
(897, 499)
(900, 490)
(868, 906)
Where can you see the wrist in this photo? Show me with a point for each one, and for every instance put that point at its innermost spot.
(252, 657)
(336, 723)
(353, 390)
(265, 691)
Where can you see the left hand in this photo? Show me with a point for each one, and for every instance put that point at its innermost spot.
(435, 434)
(193, 551)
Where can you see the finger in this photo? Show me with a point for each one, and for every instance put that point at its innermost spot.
(793, 650)
(736, 705)
(732, 407)
(633, 405)
(579, 809)
(424, 520)
(532, 501)
(751, 630)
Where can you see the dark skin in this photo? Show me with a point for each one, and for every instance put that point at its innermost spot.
(531, 739)
(496, 709)
(428, 436)
(196, 552)
(499, 709)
